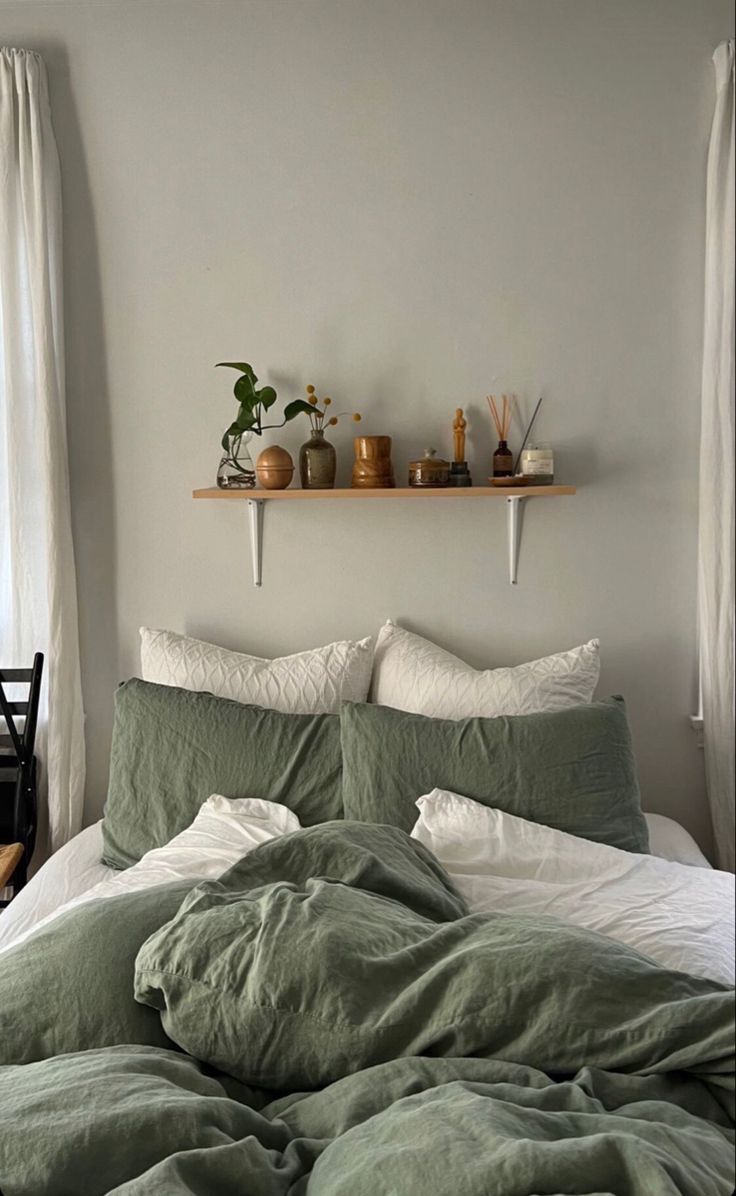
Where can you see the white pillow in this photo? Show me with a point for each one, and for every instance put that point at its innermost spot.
(411, 673)
(312, 682)
(224, 831)
(679, 916)
(672, 842)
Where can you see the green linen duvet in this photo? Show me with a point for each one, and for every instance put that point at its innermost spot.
(340, 1026)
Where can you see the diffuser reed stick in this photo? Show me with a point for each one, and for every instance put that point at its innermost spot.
(502, 421)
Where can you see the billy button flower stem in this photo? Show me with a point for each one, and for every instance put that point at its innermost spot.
(317, 416)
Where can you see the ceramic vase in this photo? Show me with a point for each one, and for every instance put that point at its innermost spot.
(317, 463)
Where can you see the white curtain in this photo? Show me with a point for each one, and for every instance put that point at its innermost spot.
(38, 597)
(716, 564)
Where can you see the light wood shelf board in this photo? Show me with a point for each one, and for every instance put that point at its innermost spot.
(399, 492)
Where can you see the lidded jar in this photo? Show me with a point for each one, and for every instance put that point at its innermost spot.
(274, 468)
(429, 470)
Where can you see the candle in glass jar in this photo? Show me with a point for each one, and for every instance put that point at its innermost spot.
(538, 463)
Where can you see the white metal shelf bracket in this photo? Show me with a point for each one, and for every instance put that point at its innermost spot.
(513, 522)
(255, 513)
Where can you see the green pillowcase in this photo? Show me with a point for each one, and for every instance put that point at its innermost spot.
(171, 749)
(571, 769)
(70, 986)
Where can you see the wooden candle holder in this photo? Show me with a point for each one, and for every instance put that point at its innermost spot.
(373, 469)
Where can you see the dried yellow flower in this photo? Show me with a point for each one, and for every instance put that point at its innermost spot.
(327, 402)
(333, 420)
(313, 400)
(357, 417)
(310, 390)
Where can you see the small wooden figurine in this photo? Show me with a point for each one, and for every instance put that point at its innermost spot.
(458, 429)
(459, 472)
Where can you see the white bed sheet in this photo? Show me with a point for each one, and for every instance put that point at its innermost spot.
(73, 869)
(681, 917)
(224, 830)
(77, 867)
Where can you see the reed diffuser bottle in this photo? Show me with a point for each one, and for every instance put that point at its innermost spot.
(503, 460)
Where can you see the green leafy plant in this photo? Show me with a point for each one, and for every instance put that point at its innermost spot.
(254, 404)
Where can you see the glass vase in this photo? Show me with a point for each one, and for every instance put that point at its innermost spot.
(236, 471)
(317, 462)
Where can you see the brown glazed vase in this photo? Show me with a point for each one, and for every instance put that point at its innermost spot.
(274, 468)
(373, 469)
(317, 462)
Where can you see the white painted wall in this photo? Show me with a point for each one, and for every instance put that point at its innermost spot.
(395, 201)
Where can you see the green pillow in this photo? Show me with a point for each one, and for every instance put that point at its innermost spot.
(70, 986)
(171, 749)
(570, 769)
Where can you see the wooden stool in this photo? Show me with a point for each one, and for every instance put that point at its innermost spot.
(9, 859)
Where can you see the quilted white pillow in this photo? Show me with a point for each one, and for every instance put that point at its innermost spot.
(411, 673)
(312, 682)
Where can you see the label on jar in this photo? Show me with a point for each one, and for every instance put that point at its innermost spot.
(535, 468)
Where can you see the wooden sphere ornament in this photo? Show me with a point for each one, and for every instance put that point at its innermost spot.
(274, 468)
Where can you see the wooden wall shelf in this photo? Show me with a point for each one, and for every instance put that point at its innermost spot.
(514, 496)
(403, 492)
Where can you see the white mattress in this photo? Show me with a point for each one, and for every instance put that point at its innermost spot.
(76, 867)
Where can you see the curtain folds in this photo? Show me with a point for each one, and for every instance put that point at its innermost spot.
(716, 556)
(38, 598)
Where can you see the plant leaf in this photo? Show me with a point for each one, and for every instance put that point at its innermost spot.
(245, 392)
(266, 396)
(239, 365)
(291, 410)
(246, 420)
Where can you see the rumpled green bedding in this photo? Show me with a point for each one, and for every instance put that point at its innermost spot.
(475, 1055)
(68, 987)
(344, 946)
(147, 1121)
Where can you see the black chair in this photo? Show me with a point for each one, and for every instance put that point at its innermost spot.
(19, 767)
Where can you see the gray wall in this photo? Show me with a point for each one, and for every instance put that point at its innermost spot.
(395, 201)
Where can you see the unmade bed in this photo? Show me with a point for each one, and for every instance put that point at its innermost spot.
(371, 951)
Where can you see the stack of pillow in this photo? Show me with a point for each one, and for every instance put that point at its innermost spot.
(300, 731)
